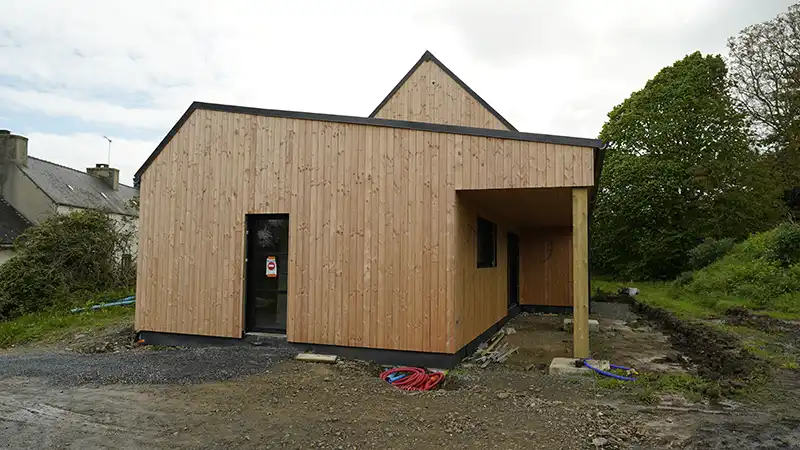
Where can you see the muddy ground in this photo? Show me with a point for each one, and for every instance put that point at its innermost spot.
(266, 400)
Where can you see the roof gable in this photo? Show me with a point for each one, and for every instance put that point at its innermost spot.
(430, 92)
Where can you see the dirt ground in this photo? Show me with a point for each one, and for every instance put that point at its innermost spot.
(289, 404)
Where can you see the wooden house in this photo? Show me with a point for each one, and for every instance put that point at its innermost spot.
(404, 237)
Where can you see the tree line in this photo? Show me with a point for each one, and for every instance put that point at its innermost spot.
(708, 150)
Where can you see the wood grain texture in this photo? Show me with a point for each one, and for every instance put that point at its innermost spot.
(546, 267)
(580, 272)
(379, 250)
(431, 95)
(481, 293)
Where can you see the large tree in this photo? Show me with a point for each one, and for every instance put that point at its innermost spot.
(678, 169)
(765, 74)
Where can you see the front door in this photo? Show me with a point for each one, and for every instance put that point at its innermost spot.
(513, 270)
(267, 272)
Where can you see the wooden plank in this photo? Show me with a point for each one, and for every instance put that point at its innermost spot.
(317, 358)
(339, 245)
(580, 272)
(381, 301)
(363, 220)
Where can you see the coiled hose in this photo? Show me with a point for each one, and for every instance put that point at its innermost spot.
(412, 378)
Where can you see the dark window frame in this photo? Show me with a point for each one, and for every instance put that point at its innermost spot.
(486, 243)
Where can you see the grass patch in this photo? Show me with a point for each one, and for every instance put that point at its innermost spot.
(663, 295)
(55, 325)
(649, 387)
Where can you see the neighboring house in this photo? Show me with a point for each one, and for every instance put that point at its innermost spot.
(34, 189)
(406, 237)
(12, 224)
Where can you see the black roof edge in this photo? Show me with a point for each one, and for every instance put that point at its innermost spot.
(428, 56)
(402, 124)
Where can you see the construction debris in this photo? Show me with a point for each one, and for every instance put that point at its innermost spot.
(494, 350)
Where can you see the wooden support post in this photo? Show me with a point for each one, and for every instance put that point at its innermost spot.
(580, 272)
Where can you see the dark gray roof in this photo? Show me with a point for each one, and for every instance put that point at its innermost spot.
(70, 187)
(12, 224)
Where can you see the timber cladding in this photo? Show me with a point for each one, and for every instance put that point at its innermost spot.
(379, 251)
(430, 95)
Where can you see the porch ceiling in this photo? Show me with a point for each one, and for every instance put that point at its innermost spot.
(523, 208)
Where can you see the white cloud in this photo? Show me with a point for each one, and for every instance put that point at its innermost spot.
(549, 67)
(88, 110)
(82, 150)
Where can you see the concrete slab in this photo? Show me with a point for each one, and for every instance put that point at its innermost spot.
(566, 366)
(594, 326)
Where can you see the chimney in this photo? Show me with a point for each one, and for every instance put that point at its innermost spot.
(13, 149)
(105, 173)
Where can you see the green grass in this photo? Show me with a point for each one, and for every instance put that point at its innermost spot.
(55, 325)
(663, 295)
(649, 387)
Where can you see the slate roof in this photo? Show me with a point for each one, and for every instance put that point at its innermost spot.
(12, 224)
(70, 187)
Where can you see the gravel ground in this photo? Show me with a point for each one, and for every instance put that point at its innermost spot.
(144, 365)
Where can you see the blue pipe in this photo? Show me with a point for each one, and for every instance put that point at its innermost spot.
(125, 301)
(609, 374)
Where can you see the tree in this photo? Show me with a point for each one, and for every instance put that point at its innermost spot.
(765, 76)
(678, 169)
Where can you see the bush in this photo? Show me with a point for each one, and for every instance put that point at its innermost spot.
(63, 256)
(763, 272)
(787, 244)
(709, 251)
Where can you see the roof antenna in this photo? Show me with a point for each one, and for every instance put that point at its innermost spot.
(109, 149)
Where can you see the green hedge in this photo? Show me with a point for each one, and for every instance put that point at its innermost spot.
(57, 262)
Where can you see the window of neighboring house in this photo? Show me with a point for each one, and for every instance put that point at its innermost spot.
(487, 243)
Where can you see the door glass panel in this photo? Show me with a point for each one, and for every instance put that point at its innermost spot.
(268, 238)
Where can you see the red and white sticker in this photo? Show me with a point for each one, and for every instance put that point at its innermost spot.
(272, 267)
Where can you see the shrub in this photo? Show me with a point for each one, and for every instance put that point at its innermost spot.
(684, 278)
(763, 272)
(64, 255)
(709, 251)
(786, 248)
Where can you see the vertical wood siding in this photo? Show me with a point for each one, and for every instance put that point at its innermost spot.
(373, 251)
(431, 95)
(546, 267)
(481, 293)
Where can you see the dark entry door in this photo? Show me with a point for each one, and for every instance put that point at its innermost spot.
(267, 272)
(513, 270)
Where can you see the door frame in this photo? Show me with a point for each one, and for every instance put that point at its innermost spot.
(512, 302)
(246, 288)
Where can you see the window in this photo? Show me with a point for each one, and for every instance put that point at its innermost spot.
(487, 243)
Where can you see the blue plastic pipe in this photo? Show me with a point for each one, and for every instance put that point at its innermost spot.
(125, 301)
(609, 374)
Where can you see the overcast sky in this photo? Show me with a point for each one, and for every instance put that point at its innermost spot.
(73, 71)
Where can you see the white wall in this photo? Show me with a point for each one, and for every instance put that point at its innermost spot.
(21, 193)
(5, 255)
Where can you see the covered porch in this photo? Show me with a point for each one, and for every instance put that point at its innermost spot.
(540, 259)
